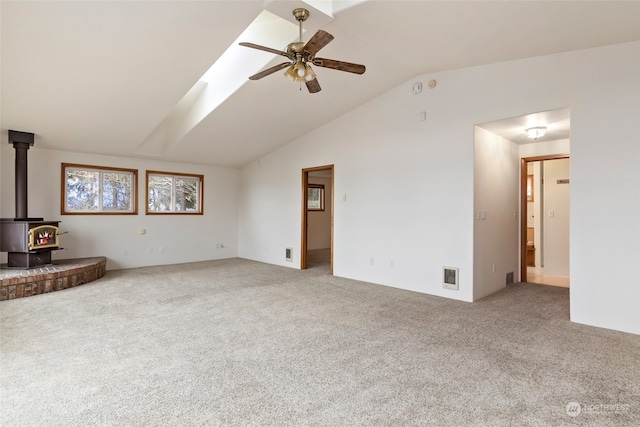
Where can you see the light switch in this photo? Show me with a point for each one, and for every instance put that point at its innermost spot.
(552, 213)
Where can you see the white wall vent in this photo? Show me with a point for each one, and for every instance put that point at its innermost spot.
(509, 278)
(450, 278)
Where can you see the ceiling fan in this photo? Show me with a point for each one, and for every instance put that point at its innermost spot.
(302, 55)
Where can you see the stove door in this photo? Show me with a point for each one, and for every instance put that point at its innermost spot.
(42, 237)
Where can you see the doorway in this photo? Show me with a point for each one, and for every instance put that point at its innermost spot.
(544, 224)
(316, 248)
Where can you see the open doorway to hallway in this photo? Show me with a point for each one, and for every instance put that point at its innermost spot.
(545, 220)
(506, 147)
(317, 219)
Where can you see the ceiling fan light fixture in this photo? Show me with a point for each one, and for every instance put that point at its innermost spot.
(291, 74)
(536, 132)
(300, 68)
(309, 74)
(301, 54)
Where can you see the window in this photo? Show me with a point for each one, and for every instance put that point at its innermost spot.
(98, 190)
(174, 193)
(315, 197)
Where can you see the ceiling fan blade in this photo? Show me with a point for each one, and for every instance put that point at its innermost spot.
(313, 86)
(339, 65)
(266, 49)
(319, 40)
(268, 71)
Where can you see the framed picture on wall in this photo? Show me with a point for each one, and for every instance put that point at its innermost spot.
(529, 188)
(315, 197)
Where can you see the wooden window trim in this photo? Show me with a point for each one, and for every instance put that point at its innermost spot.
(322, 196)
(200, 179)
(63, 188)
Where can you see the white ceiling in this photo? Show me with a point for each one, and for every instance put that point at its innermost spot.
(100, 77)
(556, 122)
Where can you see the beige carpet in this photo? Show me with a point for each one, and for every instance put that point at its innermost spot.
(240, 343)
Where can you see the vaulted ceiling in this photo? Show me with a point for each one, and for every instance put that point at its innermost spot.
(124, 77)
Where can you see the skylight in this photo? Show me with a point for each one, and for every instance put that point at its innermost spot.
(229, 73)
(237, 63)
(225, 76)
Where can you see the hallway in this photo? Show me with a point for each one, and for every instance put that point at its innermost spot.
(536, 275)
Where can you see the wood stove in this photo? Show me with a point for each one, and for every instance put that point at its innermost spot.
(28, 241)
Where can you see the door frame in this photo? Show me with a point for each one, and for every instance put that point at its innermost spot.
(523, 206)
(303, 231)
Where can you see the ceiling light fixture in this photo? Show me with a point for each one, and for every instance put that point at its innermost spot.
(536, 132)
(300, 72)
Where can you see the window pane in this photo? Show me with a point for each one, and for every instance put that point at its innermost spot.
(160, 193)
(116, 191)
(82, 190)
(186, 194)
(315, 197)
(98, 190)
(174, 193)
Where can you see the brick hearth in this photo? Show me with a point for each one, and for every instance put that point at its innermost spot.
(62, 274)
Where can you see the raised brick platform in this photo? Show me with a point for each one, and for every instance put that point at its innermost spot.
(62, 274)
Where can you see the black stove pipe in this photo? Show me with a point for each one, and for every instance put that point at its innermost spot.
(21, 142)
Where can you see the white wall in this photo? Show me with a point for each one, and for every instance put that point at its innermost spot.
(2, 137)
(559, 146)
(418, 215)
(183, 238)
(397, 219)
(319, 222)
(605, 200)
(496, 199)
